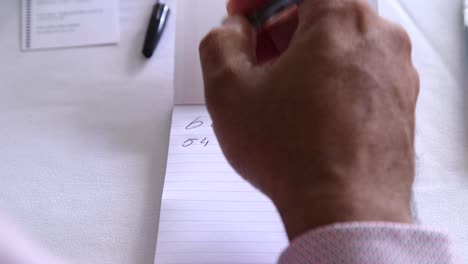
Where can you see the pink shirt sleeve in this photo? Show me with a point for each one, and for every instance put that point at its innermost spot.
(17, 248)
(366, 243)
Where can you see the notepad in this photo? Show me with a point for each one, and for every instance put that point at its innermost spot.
(68, 23)
(209, 214)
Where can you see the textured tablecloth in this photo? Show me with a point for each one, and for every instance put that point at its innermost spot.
(83, 139)
(440, 54)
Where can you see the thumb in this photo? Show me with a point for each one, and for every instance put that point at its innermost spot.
(228, 49)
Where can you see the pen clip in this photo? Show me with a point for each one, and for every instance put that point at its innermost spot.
(465, 12)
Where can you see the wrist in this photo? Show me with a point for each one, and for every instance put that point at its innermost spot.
(306, 211)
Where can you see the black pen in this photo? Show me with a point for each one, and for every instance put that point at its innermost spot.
(156, 26)
(269, 10)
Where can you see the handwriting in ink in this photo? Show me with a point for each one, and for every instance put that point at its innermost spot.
(197, 123)
(204, 142)
(191, 141)
(194, 124)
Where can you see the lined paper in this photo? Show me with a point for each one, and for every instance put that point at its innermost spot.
(208, 213)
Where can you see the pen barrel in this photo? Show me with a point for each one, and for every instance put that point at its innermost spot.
(156, 27)
(275, 7)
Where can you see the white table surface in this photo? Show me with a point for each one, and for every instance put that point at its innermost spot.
(83, 139)
(441, 55)
(84, 133)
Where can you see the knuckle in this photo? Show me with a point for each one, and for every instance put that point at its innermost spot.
(353, 6)
(327, 37)
(345, 15)
(412, 87)
(364, 16)
(417, 83)
(358, 7)
(211, 40)
(224, 72)
(401, 37)
(227, 72)
(211, 53)
(351, 9)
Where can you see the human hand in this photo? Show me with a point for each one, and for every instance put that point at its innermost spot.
(274, 37)
(326, 130)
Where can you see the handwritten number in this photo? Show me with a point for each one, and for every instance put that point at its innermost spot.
(189, 142)
(194, 124)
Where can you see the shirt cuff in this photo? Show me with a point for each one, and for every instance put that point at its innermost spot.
(363, 243)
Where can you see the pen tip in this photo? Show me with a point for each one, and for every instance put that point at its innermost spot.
(147, 54)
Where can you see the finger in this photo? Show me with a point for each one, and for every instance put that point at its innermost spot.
(244, 6)
(275, 36)
(228, 50)
(282, 28)
(266, 49)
